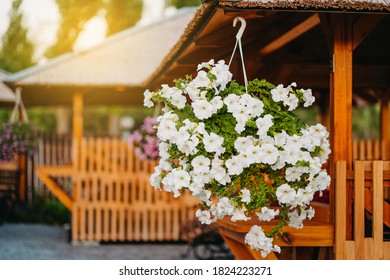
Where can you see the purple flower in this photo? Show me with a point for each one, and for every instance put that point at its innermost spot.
(145, 140)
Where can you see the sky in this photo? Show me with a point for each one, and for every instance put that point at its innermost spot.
(42, 19)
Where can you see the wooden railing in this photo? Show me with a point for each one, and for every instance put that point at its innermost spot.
(371, 150)
(114, 201)
(361, 211)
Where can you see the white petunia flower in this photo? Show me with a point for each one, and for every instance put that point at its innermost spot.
(280, 139)
(296, 220)
(218, 172)
(234, 166)
(204, 195)
(231, 101)
(291, 102)
(213, 143)
(310, 213)
(246, 195)
(269, 154)
(290, 154)
(201, 80)
(148, 99)
(217, 103)
(322, 181)
(201, 164)
(204, 216)
(240, 126)
(243, 143)
(257, 239)
(222, 73)
(202, 109)
(178, 100)
(181, 137)
(254, 154)
(181, 179)
(285, 194)
(223, 208)
(325, 152)
(264, 124)
(294, 173)
(205, 64)
(319, 131)
(200, 128)
(267, 214)
(239, 215)
(155, 179)
(166, 130)
(169, 184)
(163, 150)
(304, 196)
(256, 107)
(279, 93)
(307, 97)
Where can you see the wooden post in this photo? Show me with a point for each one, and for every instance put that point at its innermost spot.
(341, 91)
(341, 99)
(22, 177)
(78, 115)
(77, 127)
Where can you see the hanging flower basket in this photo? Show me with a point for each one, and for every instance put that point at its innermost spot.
(16, 138)
(244, 155)
(145, 140)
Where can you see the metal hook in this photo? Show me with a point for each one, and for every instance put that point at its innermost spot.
(242, 28)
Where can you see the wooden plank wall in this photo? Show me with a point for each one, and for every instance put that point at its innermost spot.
(114, 201)
(367, 182)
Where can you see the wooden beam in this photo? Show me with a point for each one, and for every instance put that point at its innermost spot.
(291, 34)
(44, 174)
(363, 27)
(341, 90)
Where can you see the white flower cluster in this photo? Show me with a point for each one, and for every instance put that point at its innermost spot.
(224, 137)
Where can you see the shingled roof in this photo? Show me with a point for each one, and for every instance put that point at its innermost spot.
(6, 95)
(111, 72)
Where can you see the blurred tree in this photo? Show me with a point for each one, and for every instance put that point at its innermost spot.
(182, 3)
(122, 14)
(119, 14)
(74, 14)
(17, 50)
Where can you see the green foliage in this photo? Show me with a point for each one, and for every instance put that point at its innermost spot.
(42, 211)
(74, 15)
(182, 3)
(43, 118)
(96, 119)
(122, 14)
(17, 50)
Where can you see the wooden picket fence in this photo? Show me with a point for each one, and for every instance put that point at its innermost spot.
(361, 210)
(114, 201)
(371, 150)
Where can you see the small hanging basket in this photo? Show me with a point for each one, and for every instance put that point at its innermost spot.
(17, 136)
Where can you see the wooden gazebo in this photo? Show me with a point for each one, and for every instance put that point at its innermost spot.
(111, 199)
(340, 49)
